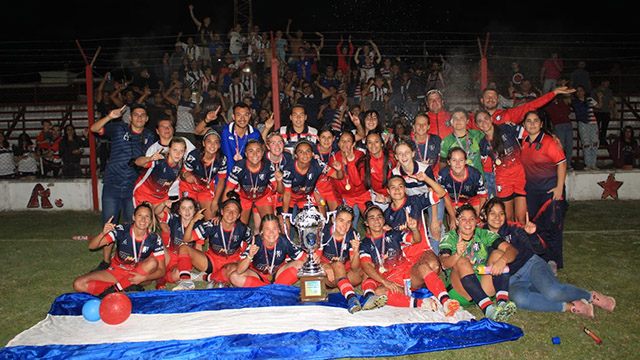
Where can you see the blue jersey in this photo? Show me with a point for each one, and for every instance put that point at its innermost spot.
(223, 242)
(125, 146)
(158, 178)
(511, 136)
(252, 185)
(337, 250)
(176, 227)
(300, 184)
(287, 159)
(466, 191)
(397, 218)
(231, 144)
(268, 260)
(415, 186)
(385, 250)
(428, 151)
(208, 174)
(129, 251)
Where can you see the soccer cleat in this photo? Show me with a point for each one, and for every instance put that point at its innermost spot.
(507, 309)
(134, 287)
(111, 289)
(583, 307)
(198, 276)
(429, 304)
(492, 312)
(450, 307)
(374, 301)
(185, 284)
(102, 266)
(603, 301)
(353, 305)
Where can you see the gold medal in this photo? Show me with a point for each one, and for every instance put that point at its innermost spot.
(498, 162)
(347, 187)
(382, 270)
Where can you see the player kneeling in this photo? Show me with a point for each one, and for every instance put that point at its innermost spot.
(139, 256)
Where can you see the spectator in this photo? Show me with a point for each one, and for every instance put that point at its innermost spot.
(559, 111)
(551, 72)
(186, 109)
(607, 111)
(580, 77)
(295, 43)
(624, 151)
(344, 55)
(311, 99)
(26, 158)
(281, 47)
(157, 109)
(7, 161)
(525, 93)
(236, 41)
(71, 149)
(51, 153)
(205, 26)
(583, 106)
(190, 49)
(436, 79)
(45, 135)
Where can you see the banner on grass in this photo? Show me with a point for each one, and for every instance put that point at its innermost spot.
(256, 323)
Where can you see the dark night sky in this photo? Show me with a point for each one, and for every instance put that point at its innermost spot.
(46, 25)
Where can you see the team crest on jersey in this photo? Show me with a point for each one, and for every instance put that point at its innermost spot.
(310, 176)
(126, 136)
(261, 177)
(236, 170)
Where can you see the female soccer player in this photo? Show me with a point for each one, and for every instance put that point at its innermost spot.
(265, 262)
(278, 160)
(545, 168)
(162, 170)
(341, 245)
(372, 123)
(375, 169)
(464, 250)
(350, 187)
(325, 150)
(139, 256)
(301, 177)
(205, 174)
(255, 180)
(226, 240)
(532, 285)
(387, 268)
(179, 225)
(427, 146)
(463, 181)
(509, 173)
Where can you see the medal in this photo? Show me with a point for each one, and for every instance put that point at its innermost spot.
(382, 270)
(498, 162)
(347, 187)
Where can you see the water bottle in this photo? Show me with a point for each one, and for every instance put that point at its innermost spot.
(487, 270)
(81, 237)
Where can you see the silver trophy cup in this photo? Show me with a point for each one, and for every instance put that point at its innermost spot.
(309, 224)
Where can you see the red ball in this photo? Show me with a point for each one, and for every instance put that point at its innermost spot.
(115, 308)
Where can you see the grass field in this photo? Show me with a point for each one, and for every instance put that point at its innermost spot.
(602, 246)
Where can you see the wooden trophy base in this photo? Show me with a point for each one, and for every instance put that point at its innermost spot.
(313, 288)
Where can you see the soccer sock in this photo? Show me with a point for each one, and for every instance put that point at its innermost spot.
(501, 284)
(160, 283)
(401, 300)
(96, 287)
(251, 281)
(472, 285)
(184, 266)
(287, 276)
(166, 238)
(436, 286)
(368, 287)
(345, 287)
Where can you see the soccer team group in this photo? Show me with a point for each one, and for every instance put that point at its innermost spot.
(493, 179)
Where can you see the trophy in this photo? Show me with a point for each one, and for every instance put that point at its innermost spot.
(309, 224)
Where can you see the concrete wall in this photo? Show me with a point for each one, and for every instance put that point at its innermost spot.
(75, 194)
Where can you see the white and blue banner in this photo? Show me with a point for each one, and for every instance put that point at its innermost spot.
(248, 323)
